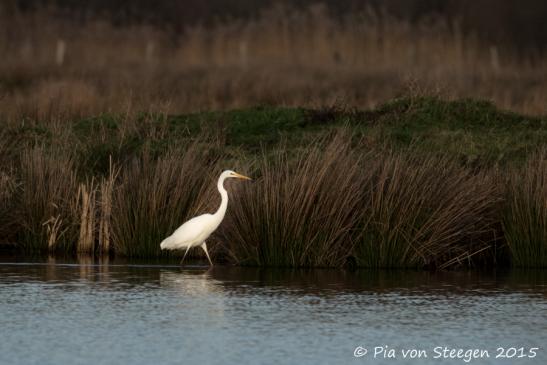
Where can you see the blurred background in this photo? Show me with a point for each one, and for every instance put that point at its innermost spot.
(80, 57)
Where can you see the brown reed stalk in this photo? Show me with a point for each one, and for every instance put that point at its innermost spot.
(86, 241)
(105, 205)
(53, 231)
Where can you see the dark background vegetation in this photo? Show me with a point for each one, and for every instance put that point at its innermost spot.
(518, 24)
(91, 57)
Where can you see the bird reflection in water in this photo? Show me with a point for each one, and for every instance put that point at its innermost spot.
(192, 284)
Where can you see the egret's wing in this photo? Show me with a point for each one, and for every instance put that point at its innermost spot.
(191, 230)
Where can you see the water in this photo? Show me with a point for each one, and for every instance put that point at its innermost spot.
(69, 313)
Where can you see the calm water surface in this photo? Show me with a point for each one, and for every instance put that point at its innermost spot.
(117, 313)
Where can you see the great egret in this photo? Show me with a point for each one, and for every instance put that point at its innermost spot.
(194, 232)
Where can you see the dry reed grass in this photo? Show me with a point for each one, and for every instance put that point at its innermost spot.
(320, 205)
(153, 196)
(283, 57)
(525, 216)
(48, 200)
(301, 210)
(105, 204)
(384, 209)
(425, 212)
(8, 189)
(86, 241)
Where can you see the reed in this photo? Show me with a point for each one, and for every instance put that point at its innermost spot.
(525, 214)
(301, 210)
(425, 212)
(153, 196)
(47, 206)
(105, 205)
(385, 209)
(8, 190)
(86, 241)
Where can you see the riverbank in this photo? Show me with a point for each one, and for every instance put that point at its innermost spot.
(417, 182)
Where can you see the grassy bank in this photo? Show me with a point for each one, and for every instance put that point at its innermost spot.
(417, 182)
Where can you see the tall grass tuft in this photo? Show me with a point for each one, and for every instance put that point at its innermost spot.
(525, 216)
(153, 196)
(424, 211)
(47, 205)
(88, 200)
(300, 211)
(105, 206)
(8, 190)
(385, 209)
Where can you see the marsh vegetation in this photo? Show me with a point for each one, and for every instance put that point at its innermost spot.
(417, 182)
(354, 126)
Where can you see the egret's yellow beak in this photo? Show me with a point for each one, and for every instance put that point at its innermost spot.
(239, 176)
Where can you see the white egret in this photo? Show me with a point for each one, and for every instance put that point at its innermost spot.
(194, 232)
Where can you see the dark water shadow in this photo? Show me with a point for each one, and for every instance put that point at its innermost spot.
(325, 281)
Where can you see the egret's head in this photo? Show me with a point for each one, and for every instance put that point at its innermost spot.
(230, 173)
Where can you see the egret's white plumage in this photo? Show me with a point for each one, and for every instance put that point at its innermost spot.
(194, 232)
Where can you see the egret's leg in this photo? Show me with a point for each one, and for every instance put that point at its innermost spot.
(187, 249)
(204, 246)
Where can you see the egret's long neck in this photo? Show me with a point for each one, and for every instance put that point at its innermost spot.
(224, 203)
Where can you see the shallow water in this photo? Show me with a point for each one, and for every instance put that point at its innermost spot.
(84, 313)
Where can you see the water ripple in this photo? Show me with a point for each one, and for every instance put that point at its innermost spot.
(142, 314)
